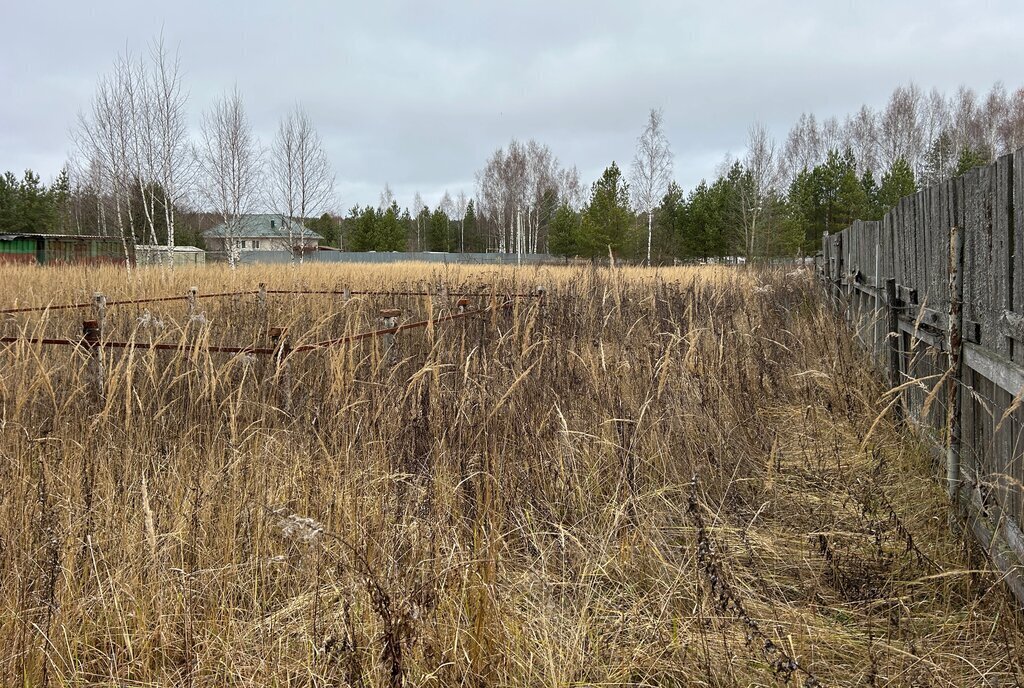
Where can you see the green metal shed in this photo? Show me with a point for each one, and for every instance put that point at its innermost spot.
(61, 249)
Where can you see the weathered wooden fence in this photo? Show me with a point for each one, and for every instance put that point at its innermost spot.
(936, 291)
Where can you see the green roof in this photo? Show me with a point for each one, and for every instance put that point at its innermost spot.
(266, 226)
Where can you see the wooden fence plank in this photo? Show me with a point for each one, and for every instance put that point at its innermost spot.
(911, 245)
(1016, 267)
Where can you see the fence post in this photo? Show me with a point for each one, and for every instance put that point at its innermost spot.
(282, 348)
(892, 329)
(91, 336)
(99, 302)
(261, 301)
(954, 344)
(389, 319)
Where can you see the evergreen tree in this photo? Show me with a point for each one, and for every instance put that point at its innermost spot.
(60, 196)
(423, 220)
(666, 242)
(896, 183)
(708, 214)
(827, 198)
(389, 233)
(26, 205)
(327, 227)
(437, 231)
(362, 235)
(874, 207)
(939, 160)
(969, 159)
(563, 234)
(8, 202)
(607, 221)
(474, 239)
(408, 229)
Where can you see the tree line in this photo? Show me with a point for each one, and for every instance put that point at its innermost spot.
(137, 172)
(774, 200)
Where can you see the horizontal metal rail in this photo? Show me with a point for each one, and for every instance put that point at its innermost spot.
(123, 302)
(254, 350)
(253, 292)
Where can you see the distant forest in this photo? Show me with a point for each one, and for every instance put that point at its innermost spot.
(140, 173)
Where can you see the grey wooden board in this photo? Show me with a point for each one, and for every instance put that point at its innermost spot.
(912, 245)
(1016, 290)
(1002, 236)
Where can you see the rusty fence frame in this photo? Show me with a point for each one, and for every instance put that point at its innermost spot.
(92, 329)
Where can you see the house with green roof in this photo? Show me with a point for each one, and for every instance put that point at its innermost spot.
(263, 232)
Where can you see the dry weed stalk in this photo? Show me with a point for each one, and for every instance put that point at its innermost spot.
(499, 500)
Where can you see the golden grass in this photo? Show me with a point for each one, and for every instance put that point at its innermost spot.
(653, 479)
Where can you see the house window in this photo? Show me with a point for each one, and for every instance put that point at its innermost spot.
(255, 244)
(243, 243)
(273, 223)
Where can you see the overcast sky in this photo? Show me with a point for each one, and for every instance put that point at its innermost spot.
(418, 95)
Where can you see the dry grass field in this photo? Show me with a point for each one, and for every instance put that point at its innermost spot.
(667, 479)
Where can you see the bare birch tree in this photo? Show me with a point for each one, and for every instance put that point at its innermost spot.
(803, 146)
(102, 139)
(167, 102)
(570, 188)
(861, 136)
(387, 197)
(417, 211)
(134, 139)
(517, 195)
(900, 128)
(461, 203)
(651, 171)
(301, 180)
(230, 161)
(447, 207)
(761, 167)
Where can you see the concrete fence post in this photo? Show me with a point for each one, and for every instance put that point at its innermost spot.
(282, 349)
(192, 294)
(261, 300)
(92, 341)
(389, 319)
(99, 303)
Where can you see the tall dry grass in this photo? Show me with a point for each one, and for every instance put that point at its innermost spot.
(650, 479)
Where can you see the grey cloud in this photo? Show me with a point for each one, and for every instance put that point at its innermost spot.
(418, 95)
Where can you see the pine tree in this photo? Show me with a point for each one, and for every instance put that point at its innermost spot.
(969, 159)
(607, 221)
(471, 230)
(827, 199)
(327, 227)
(33, 208)
(874, 209)
(8, 202)
(668, 221)
(896, 183)
(939, 162)
(389, 233)
(60, 197)
(437, 231)
(563, 234)
(362, 235)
